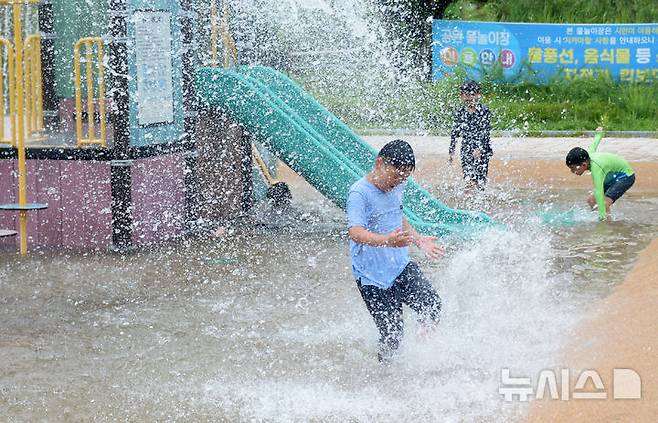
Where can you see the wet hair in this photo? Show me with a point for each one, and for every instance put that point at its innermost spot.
(470, 87)
(577, 156)
(279, 194)
(399, 154)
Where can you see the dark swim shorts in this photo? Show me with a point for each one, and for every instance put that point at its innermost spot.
(618, 186)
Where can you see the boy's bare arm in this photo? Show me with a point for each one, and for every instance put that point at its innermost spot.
(425, 243)
(406, 226)
(397, 238)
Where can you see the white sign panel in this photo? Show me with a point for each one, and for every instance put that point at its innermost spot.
(155, 97)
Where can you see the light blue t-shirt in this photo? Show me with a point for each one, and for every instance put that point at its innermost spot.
(381, 213)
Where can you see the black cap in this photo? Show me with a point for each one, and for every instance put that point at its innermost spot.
(577, 156)
(470, 87)
(399, 154)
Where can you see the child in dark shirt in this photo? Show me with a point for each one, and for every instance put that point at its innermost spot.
(472, 122)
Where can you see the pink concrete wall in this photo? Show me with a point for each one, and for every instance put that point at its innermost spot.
(7, 195)
(78, 194)
(86, 204)
(158, 198)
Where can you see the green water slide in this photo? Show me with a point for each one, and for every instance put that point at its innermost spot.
(315, 143)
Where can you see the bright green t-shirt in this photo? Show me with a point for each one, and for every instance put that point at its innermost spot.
(604, 168)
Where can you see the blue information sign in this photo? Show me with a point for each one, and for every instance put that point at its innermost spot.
(625, 52)
(155, 69)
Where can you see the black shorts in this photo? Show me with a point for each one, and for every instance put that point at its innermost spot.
(411, 287)
(617, 187)
(476, 170)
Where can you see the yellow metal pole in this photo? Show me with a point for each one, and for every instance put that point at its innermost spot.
(8, 2)
(2, 100)
(6, 44)
(12, 92)
(20, 128)
(263, 166)
(214, 34)
(101, 93)
(39, 88)
(33, 92)
(225, 33)
(90, 91)
(78, 92)
(230, 50)
(28, 86)
(33, 82)
(32, 77)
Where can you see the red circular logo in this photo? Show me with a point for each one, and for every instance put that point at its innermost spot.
(449, 56)
(507, 58)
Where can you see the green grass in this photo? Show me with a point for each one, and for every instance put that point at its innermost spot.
(580, 105)
(364, 102)
(556, 11)
(561, 105)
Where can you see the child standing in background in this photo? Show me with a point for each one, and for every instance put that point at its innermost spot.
(472, 122)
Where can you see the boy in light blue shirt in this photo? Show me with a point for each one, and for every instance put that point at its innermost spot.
(379, 246)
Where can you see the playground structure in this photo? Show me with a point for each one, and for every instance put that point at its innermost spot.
(313, 142)
(25, 105)
(144, 164)
(109, 176)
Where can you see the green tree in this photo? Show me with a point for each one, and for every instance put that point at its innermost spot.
(408, 25)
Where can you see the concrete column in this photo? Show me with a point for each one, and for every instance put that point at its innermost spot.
(223, 153)
(121, 165)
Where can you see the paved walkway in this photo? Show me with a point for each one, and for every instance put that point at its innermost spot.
(633, 149)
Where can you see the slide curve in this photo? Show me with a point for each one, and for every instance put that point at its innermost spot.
(314, 142)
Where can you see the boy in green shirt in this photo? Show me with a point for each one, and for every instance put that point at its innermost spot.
(611, 174)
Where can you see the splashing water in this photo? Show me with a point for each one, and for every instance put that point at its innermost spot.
(306, 34)
(270, 326)
(341, 52)
(501, 309)
(570, 217)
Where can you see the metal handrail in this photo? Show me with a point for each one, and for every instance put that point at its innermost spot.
(12, 2)
(91, 138)
(7, 45)
(33, 86)
(230, 49)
